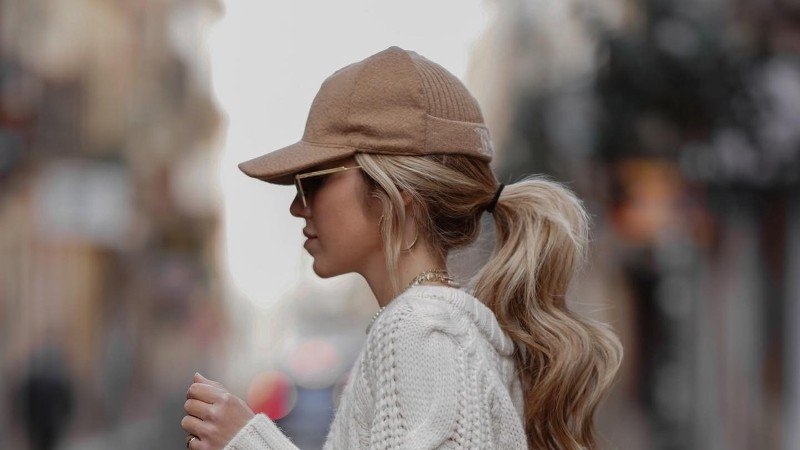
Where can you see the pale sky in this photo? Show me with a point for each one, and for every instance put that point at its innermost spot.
(268, 59)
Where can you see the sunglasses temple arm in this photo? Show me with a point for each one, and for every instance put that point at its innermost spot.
(300, 189)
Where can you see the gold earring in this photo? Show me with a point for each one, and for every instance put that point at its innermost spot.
(412, 243)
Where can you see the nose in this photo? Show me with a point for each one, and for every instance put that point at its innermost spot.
(297, 209)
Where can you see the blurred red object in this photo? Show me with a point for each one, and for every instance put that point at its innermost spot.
(272, 393)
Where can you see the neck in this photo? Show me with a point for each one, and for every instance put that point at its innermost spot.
(410, 265)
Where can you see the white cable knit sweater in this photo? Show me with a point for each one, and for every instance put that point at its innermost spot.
(436, 372)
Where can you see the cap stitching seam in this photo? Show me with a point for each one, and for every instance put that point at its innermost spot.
(350, 96)
(481, 124)
(323, 144)
(421, 94)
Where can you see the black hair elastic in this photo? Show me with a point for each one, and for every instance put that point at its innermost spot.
(490, 206)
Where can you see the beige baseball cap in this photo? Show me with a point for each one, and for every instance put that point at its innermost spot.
(394, 102)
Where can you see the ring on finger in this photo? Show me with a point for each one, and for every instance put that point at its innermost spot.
(189, 440)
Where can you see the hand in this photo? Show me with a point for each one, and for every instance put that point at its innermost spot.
(214, 415)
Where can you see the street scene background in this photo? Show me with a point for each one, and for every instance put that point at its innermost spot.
(134, 253)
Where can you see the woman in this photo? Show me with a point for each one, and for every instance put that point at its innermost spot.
(392, 173)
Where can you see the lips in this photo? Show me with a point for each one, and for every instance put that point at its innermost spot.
(310, 242)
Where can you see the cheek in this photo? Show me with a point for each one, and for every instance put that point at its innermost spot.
(349, 241)
(345, 219)
(356, 232)
(346, 226)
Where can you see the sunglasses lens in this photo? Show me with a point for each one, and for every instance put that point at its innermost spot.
(310, 186)
(313, 184)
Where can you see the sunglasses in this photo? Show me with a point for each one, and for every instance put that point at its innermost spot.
(309, 183)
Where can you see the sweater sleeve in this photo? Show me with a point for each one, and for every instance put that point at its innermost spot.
(260, 433)
(419, 378)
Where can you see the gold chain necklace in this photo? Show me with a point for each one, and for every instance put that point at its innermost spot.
(439, 275)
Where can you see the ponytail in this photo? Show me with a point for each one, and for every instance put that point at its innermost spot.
(566, 362)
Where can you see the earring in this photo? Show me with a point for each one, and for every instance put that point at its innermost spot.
(412, 243)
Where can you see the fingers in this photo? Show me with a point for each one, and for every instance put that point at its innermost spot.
(198, 378)
(193, 425)
(196, 408)
(206, 393)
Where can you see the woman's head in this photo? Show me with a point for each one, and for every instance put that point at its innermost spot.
(393, 104)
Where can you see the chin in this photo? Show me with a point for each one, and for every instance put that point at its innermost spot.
(325, 272)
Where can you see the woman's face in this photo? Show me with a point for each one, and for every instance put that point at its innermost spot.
(343, 232)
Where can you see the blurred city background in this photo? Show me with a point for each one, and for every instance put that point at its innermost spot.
(133, 252)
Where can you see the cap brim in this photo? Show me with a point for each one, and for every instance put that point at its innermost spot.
(279, 167)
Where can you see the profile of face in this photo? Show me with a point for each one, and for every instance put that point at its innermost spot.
(342, 227)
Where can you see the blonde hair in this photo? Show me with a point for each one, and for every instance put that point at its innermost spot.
(566, 362)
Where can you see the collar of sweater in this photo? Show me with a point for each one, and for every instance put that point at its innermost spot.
(470, 308)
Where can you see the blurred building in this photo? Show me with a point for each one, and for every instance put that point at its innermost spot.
(107, 215)
(678, 124)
